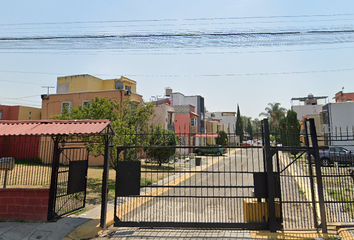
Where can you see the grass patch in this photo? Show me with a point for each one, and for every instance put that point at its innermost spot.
(145, 182)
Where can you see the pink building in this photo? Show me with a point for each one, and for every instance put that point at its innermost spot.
(186, 125)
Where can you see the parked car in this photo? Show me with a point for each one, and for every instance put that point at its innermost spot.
(336, 154)
(211, 149)
(246, 143)
(351, 172)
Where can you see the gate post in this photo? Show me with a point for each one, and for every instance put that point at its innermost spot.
(318, 175)
(307, 143)
(54, 180)
(270, 178)
(105, 183)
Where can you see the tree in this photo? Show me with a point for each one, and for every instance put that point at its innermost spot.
(274, 112)
(222, 139)
(293, 127)
(256, 127)
(239, 124)
(128, 120)
(289, 128)
(283, 131)
(161, 137)
(249, 129)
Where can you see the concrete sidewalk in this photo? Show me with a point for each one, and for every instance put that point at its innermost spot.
(61, 229)
(86, 226)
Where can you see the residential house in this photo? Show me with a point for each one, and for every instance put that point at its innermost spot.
(179, 99)
(78, 90)
(164, 115)
(344, 97)
(19, 113)
(7, 143)
(337, 122)
(307, 105)
(74, 91)
(227, 122)
(186, 126)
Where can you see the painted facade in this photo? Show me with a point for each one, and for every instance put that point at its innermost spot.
(185, 126)
(75, 91)
(165, 116)
(53, 104)
(179, 99)
(88, 83)
(337, 123)
(19, 113)
(344, 97)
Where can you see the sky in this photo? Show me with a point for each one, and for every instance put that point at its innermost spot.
(245, 52)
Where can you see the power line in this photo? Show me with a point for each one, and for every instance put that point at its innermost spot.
(158, 35)
(154, 52)
(186, 19)
(212, 75)
(11, 81)
(244, 74)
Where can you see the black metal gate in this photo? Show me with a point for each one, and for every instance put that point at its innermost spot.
(261, 186)
(188, 190)
(69, 178)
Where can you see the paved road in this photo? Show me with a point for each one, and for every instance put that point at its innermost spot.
(215, 194)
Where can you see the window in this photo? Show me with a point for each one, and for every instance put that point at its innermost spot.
(128, 88)
(0, 115)
(30, 113)
(66, 106)
(193, 122)
(133, 106)
(84, 103)
(170, 118)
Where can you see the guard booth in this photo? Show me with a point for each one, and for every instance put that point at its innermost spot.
(43, 166)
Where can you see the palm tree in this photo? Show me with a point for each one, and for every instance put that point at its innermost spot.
(274, 112)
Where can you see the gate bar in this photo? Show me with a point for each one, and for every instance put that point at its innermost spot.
(318, 175)
(314, 212)
(105, 183)
(270, 178)
(54, 180)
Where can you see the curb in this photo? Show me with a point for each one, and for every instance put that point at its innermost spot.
(91, 228)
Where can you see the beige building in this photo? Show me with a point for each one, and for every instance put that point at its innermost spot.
(164, 115)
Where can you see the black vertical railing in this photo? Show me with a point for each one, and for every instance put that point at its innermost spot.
(309, 160)
(54, 180)
(270, 177)
(318, 174)
(105, 182)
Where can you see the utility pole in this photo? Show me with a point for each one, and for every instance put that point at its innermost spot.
(47, 87)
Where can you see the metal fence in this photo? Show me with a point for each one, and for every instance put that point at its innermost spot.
(25, 161)
(190, 190)
(222, 190)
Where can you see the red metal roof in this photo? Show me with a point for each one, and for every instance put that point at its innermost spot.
(54, 127)
(193, 114)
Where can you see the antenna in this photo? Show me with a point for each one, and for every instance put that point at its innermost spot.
(47, 87)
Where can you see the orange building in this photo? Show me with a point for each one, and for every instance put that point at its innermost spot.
(78, 90)
(54, 104)
(74, 91)
(19, 113)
